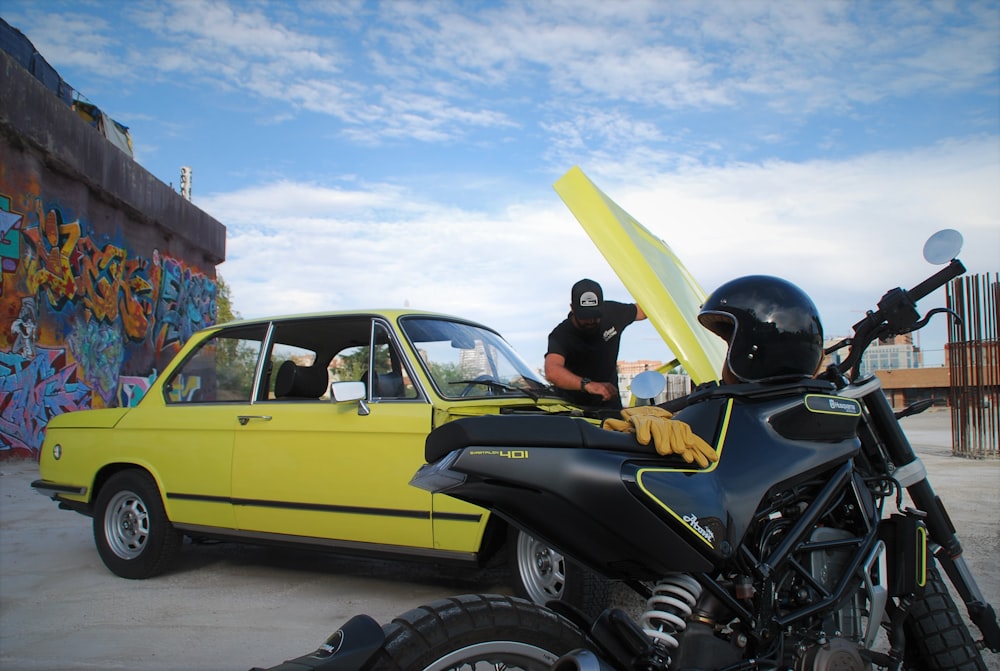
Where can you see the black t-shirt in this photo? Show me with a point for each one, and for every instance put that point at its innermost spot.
(593, 355)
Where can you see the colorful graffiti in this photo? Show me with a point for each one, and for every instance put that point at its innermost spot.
(33, 391)
(131, 389)
(84, 321)
(10, 241)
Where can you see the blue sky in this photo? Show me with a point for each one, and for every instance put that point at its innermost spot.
(376, 154)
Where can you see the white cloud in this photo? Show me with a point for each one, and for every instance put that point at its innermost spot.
(435, 71)
(414, 106)
(845, 231)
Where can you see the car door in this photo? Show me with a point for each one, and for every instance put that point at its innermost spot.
(185, 434)
(305, 466)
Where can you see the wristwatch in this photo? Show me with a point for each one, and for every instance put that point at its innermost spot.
(584, 381)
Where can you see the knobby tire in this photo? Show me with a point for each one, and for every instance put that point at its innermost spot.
(476, 631)
(937, 638)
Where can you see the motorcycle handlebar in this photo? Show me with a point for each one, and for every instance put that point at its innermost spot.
(896, 313)
(938, 279)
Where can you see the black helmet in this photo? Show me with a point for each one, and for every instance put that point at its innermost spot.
(772, 327)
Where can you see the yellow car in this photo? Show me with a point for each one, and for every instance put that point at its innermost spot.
(305, 430)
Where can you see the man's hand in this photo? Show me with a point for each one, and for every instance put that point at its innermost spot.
(605, 390)
(669, 436)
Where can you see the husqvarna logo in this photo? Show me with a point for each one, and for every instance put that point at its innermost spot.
(610, 333)
(833, 405)
(704, 532)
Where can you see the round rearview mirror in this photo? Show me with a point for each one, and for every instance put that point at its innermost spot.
(943, 246)
(648, 384)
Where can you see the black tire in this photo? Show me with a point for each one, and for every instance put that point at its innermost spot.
(133, 535)
(476, 631)
(541, 575)
(937, 639)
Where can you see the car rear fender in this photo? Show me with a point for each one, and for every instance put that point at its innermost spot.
(108, 470)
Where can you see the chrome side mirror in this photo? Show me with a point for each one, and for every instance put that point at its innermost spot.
(647, 385)
(347, 391)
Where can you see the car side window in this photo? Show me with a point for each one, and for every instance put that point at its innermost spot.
(296, 375)
(351, 364)
(220, 370)
(297, 366)
(391, 379)
(379, 364)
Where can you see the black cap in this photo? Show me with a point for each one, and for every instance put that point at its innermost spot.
(587, 299)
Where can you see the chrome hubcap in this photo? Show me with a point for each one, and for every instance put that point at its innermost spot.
(126, 525)
(542, 569)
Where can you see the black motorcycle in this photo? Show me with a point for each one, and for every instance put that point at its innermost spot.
(794, 550)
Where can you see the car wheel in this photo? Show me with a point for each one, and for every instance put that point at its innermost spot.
(133, 535)
(542, 574)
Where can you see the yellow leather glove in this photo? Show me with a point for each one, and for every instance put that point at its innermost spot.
(655, 410)
(634, 418)
(679, 439)
(612, 424)
(669, 436)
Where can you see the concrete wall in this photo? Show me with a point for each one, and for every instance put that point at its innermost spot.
(106, 271)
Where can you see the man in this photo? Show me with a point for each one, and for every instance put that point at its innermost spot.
(582, 355)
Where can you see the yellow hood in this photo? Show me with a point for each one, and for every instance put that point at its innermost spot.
(651, 272)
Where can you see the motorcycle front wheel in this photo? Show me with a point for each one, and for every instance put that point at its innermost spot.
(476, 632)
(937, 639)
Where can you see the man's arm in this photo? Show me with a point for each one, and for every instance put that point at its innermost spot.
(639, 314)
(562, 377)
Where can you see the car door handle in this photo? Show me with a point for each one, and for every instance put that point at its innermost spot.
(246, 418)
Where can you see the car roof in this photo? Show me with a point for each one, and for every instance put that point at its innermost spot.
(390, 314)
(353, 331)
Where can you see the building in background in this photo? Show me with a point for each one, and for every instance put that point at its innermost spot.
(105, 271)
(893, 354)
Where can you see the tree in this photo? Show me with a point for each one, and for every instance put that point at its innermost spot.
(235, 359)
(224, 303)
(351, 364)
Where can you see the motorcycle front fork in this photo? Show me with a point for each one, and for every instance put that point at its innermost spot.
(912, 476)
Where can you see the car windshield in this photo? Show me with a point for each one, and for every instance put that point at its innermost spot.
(464, 360)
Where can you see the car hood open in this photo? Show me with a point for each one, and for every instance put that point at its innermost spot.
(652, 273)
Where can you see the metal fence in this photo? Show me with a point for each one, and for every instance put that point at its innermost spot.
(973, 357)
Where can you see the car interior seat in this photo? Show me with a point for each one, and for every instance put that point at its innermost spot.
(390, 385)
(386, 385)
(300, 382)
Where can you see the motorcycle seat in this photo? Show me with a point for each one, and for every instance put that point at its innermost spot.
(523, 431)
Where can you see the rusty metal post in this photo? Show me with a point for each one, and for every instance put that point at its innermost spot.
(973, 354)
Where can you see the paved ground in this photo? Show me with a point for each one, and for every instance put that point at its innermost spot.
(229, 607)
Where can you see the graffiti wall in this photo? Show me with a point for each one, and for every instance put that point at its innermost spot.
(105, 271)
(86, 319)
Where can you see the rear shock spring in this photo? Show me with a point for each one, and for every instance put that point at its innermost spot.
(668, 608)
